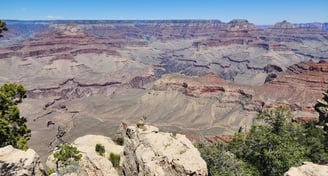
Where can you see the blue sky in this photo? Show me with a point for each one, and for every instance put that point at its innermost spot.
(256, 11)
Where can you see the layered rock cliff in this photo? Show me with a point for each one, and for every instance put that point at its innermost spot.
(300, 85)
(297, 87)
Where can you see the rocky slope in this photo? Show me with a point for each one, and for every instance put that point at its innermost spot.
(83, 77)
(298, 87)
(17, 162)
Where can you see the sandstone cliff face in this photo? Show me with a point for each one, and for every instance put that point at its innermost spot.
(150, 152)
(308, 169)
(17, 162)
(300, 85)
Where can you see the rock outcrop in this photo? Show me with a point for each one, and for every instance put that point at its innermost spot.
(91, 162)
(322, 108)
(150, 152)
(308, 169)
(283, 25)
(18, 162)
(146, 152)
(88, 166)
(240, 24)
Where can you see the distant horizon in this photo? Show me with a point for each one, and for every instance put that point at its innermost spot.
(52, 20)
(258, 12)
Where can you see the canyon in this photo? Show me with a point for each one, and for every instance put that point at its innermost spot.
(204, 78)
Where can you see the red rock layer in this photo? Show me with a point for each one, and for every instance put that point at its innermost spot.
(64, 43)
(301, 85)
(297, 88)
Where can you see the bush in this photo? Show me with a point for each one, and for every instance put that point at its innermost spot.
(220, 161)
(115, 159)
(272, 148)
(66, 155)
(119, 140)
(100, 149)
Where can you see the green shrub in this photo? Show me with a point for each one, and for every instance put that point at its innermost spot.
(119, 140)
(314, 141)
(115, 159)
(220, 161)
(273, 147)
(100, 149)
(66, 155)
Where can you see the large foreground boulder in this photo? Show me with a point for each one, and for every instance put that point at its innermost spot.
(308, 169)
(148, 152)
(15, 162)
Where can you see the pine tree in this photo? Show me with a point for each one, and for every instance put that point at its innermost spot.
(13, 129)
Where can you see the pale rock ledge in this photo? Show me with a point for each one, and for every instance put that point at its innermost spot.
(148, 152)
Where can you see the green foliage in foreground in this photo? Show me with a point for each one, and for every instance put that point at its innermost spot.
(272, 148)
(66, 155)
(269, 149)
(115, 159)
(13, 129)
(315, 143)
(100, 149)
(220, 161)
